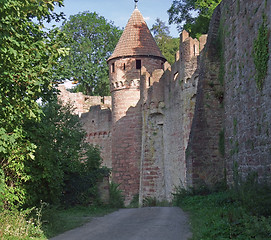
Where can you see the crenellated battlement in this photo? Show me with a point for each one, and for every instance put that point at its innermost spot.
(190, 47)
(127, 84)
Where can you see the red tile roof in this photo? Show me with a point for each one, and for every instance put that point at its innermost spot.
(136, 40)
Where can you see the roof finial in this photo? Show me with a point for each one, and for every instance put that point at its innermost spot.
(136, 1)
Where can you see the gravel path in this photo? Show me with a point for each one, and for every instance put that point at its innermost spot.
(157, 223)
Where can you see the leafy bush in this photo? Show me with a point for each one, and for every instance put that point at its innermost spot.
(65, 168)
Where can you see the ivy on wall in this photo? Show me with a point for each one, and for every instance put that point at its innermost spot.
(261, 54)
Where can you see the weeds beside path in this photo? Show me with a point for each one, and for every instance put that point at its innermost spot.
(31, 224)
(242, 215)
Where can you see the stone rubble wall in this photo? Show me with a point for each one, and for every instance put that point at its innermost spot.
(81, 102)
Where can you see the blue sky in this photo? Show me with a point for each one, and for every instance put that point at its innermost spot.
(119, 11)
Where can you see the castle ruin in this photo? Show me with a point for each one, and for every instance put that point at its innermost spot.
(199, 121)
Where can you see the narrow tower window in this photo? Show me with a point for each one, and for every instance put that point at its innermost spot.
(113, 67)
(194, 50)
(138, 64)
(124, 67)
(149, 81)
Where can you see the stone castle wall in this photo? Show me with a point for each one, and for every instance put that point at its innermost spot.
(230, 131)
(247, 109)
(168, 110)
(98, 126)
(205, 164)
(127, 120)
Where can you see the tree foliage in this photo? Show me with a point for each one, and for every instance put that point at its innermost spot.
(192, 15)
(168, 45)
(62, 157)
(27, 55)
(92, 40)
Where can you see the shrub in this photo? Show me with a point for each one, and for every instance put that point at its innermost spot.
(116, 199)
(65, 168)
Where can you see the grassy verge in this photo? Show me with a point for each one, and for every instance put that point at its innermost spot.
(48, 221)
(16, 225)
(51, 222)
(56, 221)
(229, 214)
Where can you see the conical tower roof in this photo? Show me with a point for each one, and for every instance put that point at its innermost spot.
(136, 40)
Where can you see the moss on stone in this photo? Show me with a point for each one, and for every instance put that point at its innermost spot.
(261, 54)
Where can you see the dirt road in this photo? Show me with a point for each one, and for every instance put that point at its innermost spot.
(158, 223)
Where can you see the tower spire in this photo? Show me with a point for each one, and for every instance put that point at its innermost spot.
(136, 1)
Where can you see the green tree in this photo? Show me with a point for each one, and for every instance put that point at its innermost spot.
(92, 40)
(192, 15)
(62, 156)
(168, 45)
(27, 55)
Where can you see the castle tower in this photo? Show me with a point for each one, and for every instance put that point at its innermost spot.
(135, 49)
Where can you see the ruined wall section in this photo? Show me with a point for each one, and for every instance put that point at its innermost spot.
(247, 108)
(205, 164)
(81, 102)
(96, 118)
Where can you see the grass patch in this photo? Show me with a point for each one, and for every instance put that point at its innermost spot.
(243, 214)
(153, 202)
(34, 224)
(59, 220)
(49, 220)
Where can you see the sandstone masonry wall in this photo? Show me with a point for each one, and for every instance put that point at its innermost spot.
(81, 102)
(230, 131)
(125, 74)
(180, 97)
(205, 164)
(98, 125)
(168, 109)
(247, 109)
